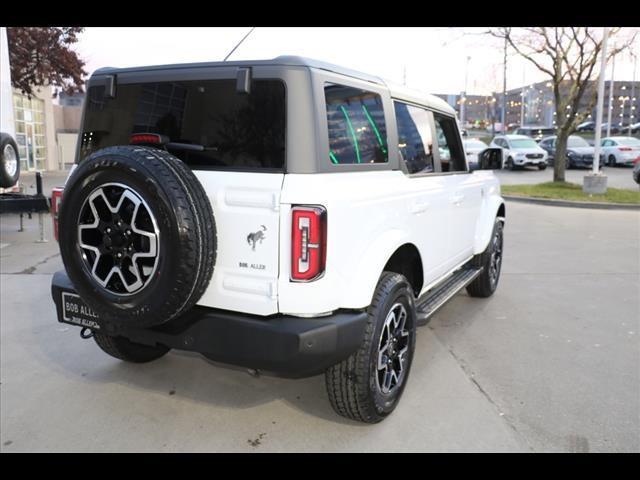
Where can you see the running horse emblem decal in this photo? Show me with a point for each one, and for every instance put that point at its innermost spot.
(256, 237)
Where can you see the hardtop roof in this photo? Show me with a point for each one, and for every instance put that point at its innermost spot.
(396, 91)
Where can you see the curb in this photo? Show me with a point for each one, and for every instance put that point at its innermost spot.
(570, 203)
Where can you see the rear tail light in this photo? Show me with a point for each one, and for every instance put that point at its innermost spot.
(308, 243)
(56, 198)
(625, 149)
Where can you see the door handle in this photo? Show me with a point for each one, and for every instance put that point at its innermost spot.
(457, 199)
(419, 207)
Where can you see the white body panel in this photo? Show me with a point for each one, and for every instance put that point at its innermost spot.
(244, 279)
(369, 216)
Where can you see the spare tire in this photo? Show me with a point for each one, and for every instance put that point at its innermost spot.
(9, 161)
(137, 235)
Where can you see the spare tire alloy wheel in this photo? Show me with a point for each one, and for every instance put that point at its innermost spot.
(137, 236)
(119, 237)
(9, 163)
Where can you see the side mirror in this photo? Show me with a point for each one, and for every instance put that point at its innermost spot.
(490, 159)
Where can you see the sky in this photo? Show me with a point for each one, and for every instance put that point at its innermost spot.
(430, 59)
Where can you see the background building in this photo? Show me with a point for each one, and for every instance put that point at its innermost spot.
(477, 107)
(534, 104)
(46, 133)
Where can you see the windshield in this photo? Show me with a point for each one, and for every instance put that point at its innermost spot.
(576, 142)
(205, 123)
(474, 144)
(523, 143)
(631, 142)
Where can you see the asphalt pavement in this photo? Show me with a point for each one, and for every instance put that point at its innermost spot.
(551, 362)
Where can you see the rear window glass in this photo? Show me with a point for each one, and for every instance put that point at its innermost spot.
(355, 120)
(206, 124)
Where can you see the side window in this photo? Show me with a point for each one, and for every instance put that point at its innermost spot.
(451, 152)
(500, 142)
(606, 143)
(415, 141)
(355, 121)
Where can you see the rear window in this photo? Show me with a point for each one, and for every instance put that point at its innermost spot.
(207, 124)
(355, 121)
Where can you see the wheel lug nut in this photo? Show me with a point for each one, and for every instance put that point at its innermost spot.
(119, 255)
(108, 230)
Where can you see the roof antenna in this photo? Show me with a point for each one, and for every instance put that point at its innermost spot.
(234, 48)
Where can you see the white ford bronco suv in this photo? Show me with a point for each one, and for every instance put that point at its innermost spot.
(284, 215)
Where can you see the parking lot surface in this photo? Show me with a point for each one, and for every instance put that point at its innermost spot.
(617, 177)
(551, 362)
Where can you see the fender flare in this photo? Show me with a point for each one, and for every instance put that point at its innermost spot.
(362, 283)
(484, 227)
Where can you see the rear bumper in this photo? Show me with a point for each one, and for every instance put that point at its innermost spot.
(288, 346)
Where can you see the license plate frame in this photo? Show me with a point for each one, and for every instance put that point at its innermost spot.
(76, 312)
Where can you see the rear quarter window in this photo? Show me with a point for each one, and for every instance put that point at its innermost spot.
(356, 126)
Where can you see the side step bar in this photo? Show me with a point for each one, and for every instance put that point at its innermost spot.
(435, 298)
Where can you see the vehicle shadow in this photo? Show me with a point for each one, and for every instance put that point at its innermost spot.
(183, 375)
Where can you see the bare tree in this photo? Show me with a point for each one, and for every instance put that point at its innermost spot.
(569, 56)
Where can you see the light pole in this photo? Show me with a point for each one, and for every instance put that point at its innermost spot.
(613, 69)
(522, 101)
(603, 67)
(633, 93)
(463, 100)
(504, 88)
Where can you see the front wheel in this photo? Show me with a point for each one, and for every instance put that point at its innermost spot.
(368, 385)
(542, 167)
(510, 165)
(491, 262)
(612, 161)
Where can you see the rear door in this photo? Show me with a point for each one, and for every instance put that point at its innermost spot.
(427, 200)
(233, 141)
(463, 190)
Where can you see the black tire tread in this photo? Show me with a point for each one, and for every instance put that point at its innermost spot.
(198, 252)
(481, 286)
(347, 382)
(124, 349)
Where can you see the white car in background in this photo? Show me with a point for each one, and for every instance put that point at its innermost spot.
(472, 148)
(620, 150)
(520, 151)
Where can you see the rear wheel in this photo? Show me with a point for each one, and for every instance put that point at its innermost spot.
(491, 262)
(124, 349)
(368, 385)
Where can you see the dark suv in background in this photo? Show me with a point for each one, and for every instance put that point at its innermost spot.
(579, 152)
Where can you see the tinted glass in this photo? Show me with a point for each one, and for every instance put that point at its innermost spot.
(355, 121)
(523, 143)
(474, 144)
(222, 128)
(577, 142)
(451, 153)
(415, 141)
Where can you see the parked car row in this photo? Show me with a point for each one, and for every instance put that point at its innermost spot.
(590, 126)
(521, 151)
